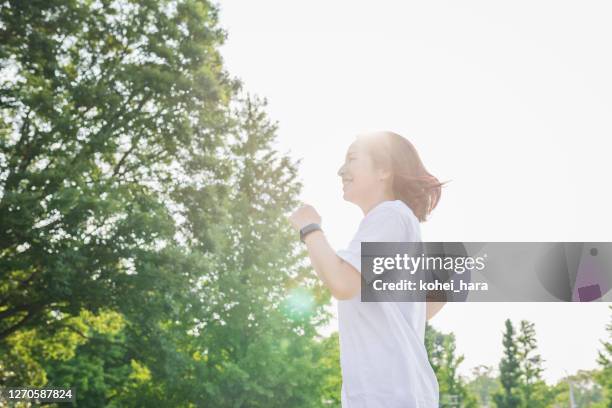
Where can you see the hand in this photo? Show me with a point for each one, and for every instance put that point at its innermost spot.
(303, 216)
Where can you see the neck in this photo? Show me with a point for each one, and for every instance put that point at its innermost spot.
(373, 201)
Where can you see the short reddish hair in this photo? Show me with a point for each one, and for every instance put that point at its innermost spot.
(412, 183)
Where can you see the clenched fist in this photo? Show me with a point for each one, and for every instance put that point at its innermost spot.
(303, 216)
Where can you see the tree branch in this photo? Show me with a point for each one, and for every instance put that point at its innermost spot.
(15, 327)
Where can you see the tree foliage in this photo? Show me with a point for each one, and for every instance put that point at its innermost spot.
(534, 391)
(483, 384)
(604, 376)
(509, 371)
(145, 256)
(109, 104)
(444, 360)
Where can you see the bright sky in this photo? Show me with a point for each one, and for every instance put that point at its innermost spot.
(509, 100)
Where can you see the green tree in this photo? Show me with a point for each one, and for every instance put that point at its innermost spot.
(264, 304)
(109, 106)
(108, 103)
(604, 376)
(483, 384)
(445, 362)
(509, 370)
(533, 389)
(331, 364)
(587, 392)
(138, 188)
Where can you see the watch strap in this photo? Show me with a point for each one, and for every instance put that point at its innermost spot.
(308, 229)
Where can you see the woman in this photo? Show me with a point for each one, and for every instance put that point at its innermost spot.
(382, 353)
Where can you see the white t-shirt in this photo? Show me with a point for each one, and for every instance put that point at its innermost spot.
(382, 352)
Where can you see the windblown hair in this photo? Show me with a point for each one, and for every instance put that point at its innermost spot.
(412, 183)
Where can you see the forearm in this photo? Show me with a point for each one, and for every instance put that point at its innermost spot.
(328, 265)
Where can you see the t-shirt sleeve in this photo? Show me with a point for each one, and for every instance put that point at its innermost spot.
(384, 225)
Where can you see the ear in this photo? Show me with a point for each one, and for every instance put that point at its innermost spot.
(384, 174)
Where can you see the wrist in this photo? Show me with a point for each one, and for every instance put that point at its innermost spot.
(312, 236)
(308, 230)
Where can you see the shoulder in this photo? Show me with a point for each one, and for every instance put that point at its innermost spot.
(392, 218)
(387, 210)
(394, 210)
(388, 214)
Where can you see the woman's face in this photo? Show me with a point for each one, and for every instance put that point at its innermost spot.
(359, 177)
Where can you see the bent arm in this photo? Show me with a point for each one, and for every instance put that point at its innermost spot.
(341, 278)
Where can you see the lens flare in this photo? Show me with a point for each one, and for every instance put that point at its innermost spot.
(298, 304)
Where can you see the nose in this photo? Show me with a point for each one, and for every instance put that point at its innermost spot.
(341, 171)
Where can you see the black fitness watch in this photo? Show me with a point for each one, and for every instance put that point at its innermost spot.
(308, 229)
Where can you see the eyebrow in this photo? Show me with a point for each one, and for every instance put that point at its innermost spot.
(350, 153)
